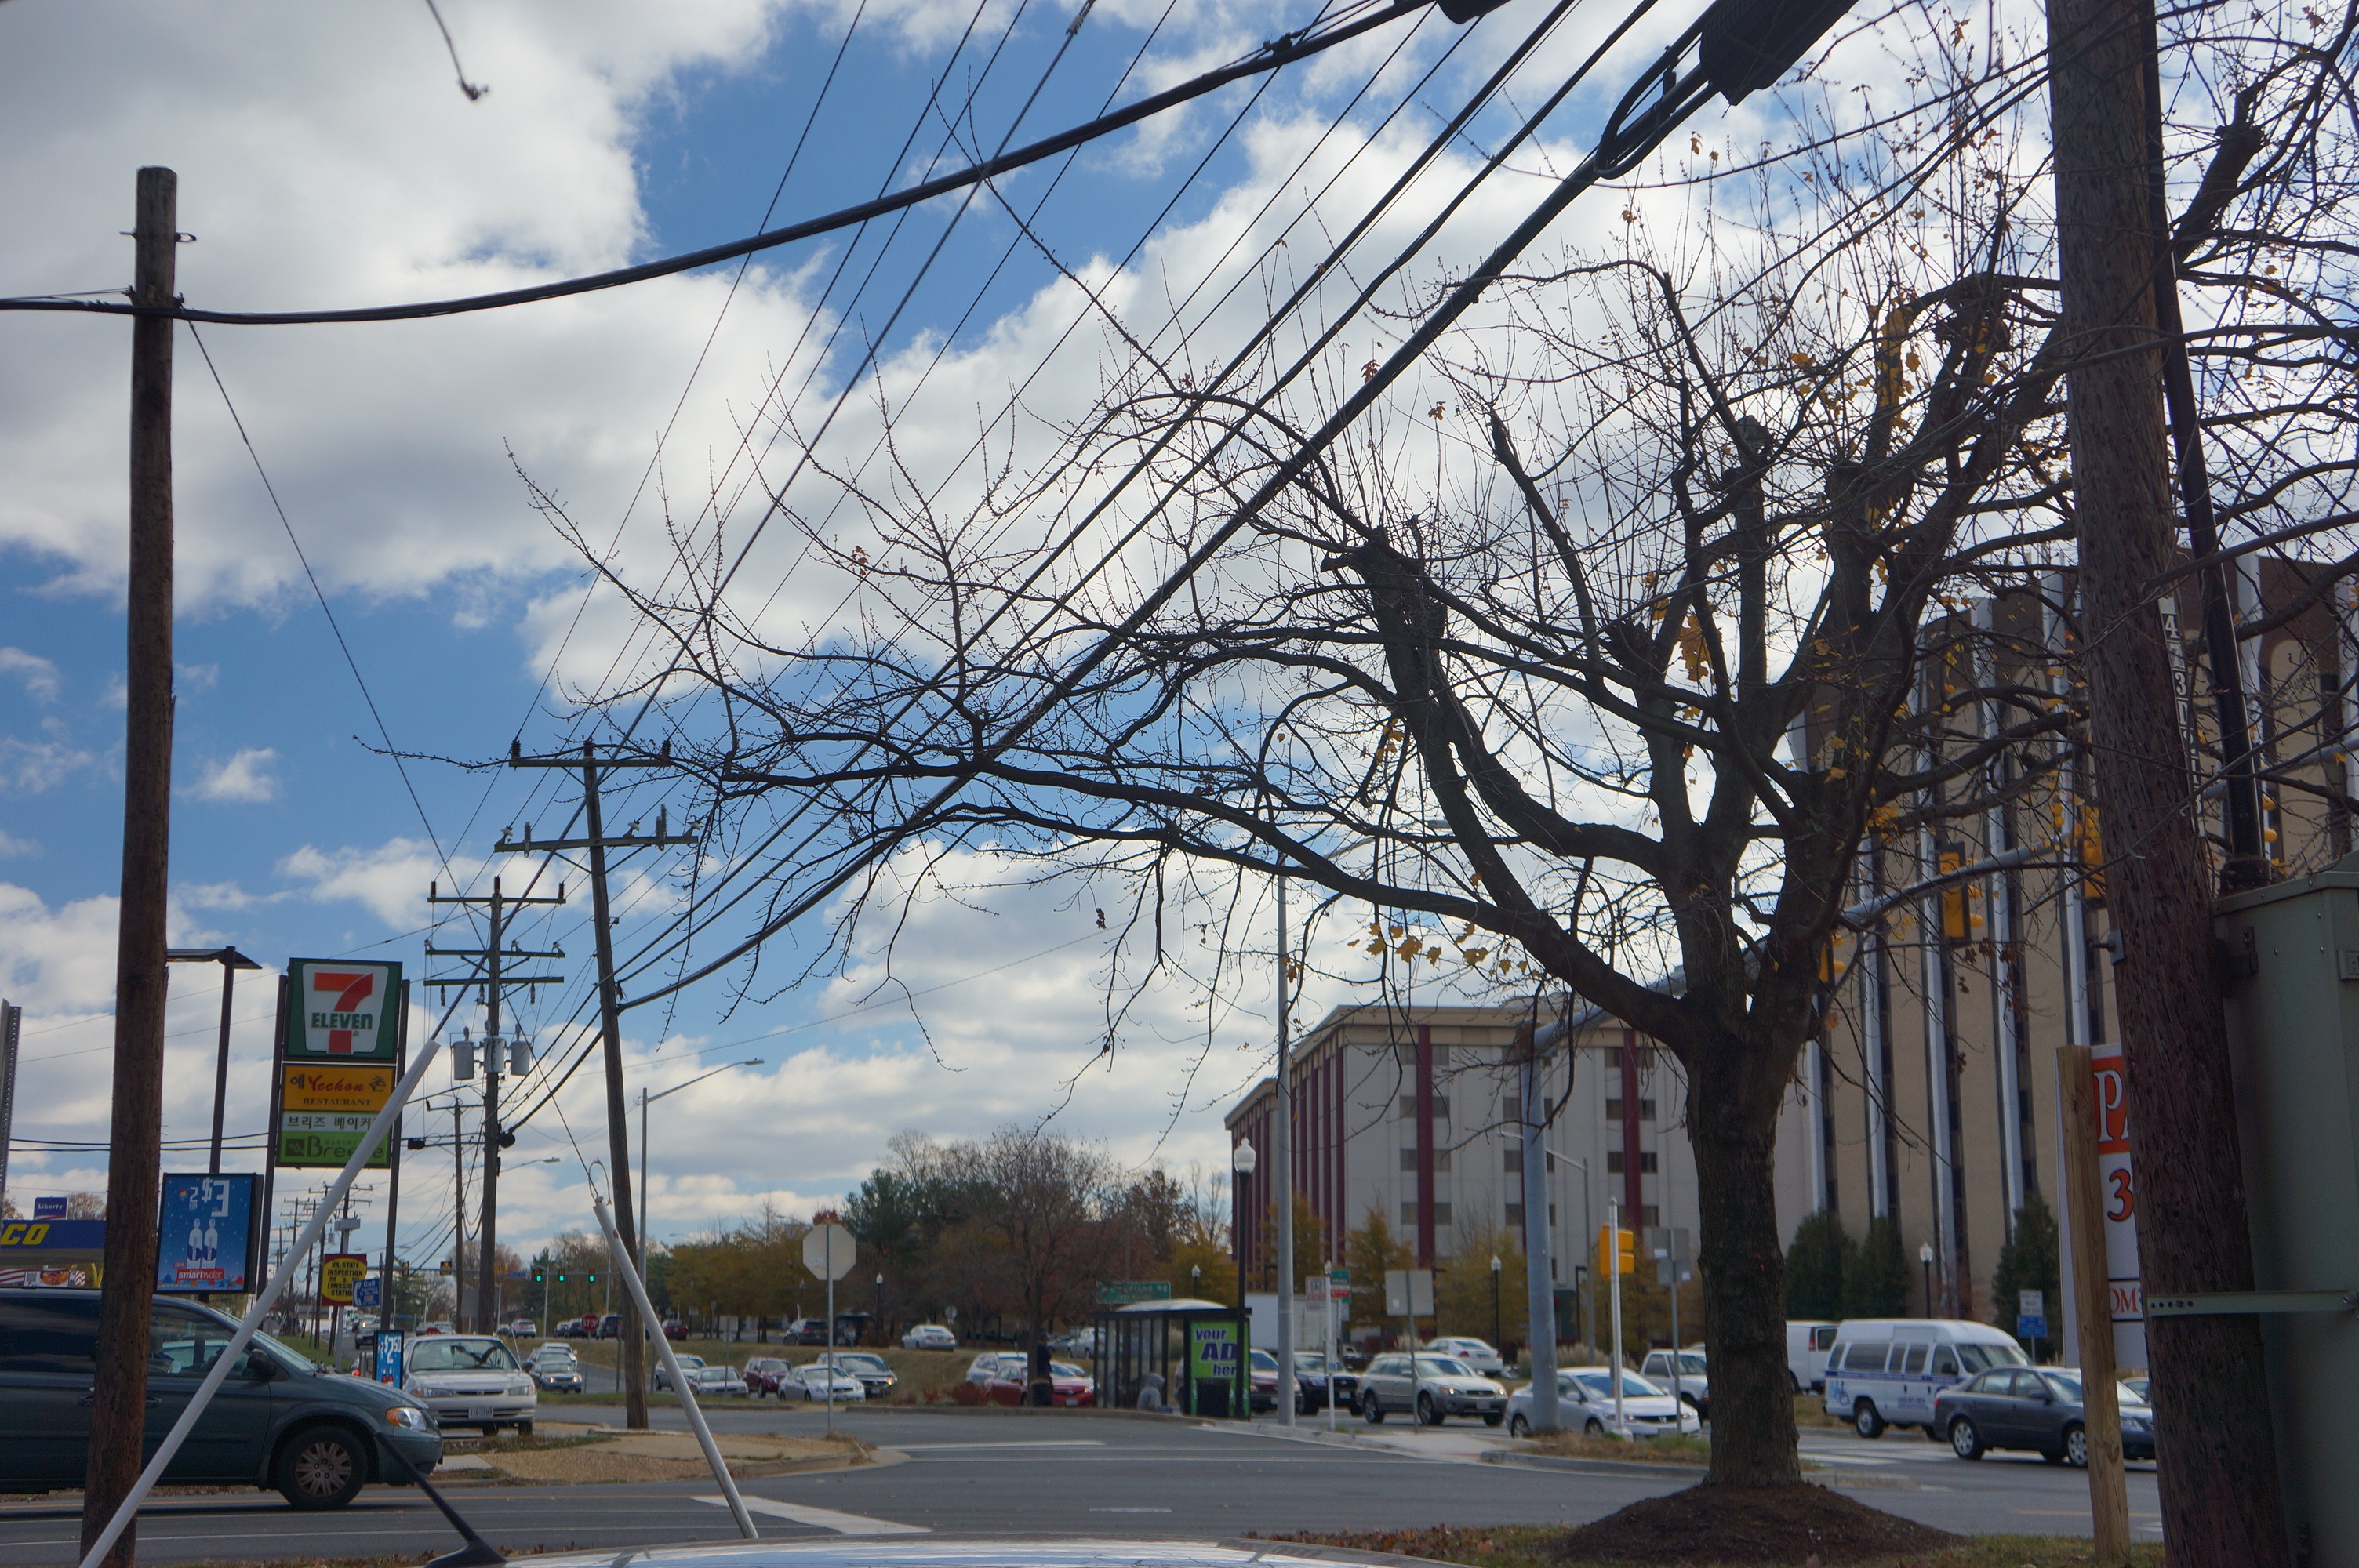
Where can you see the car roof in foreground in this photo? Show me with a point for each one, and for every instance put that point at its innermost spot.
(1014, 1551)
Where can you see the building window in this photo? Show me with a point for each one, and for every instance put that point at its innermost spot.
(1442, 1213)
(1511, 1108)
(1551, 1165)
(1406, 1110)
(1408, 1216)
(1514, 1161)
(1514, 1214)
(1440, 1159)
(1649, 1214)
(1408, 1052)
(1614, 1162)
(1646, 1109)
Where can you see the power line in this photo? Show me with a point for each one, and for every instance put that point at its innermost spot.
(1269, 57)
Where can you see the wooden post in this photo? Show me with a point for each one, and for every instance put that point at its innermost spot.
(2084, 1209)
(630, 1348)
(135, 1164)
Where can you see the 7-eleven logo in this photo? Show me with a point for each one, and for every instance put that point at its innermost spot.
(341, 1002)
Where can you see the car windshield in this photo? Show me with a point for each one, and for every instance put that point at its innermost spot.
(1689, 1366)
(556, 1355)
(1600, 1384)
(1979, 1357)
(2067, 1386)
(690, 1363)
(1264, 1361)
(2127, 1393)
(714, 1374)
(1065, 1369)
(1443, 1367)
(865, 1363)
(443, 1353)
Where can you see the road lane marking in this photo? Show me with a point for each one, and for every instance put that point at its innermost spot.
(822, 1519)
(1130, 1510)
(946, 1447)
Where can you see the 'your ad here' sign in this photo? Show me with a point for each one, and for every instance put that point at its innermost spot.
(342, 1011)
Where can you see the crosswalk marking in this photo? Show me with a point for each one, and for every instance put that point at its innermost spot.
(822, 1519)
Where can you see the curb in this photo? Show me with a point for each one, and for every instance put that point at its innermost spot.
(1588, 1467)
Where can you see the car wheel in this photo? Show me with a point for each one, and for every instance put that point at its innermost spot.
(1428, 1412)
(1932, 1433)
(320, 1468)
(523, 1429)
(1595, 1428)
(1519, 1427)
(490, 1429)
(1494, 1419)
(1964, 1441)
(1796, 1381)
(1864, 1419)
(1372, 1410)
(2076, 1446)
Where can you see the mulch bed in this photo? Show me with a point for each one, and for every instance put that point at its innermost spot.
(1750, 1524)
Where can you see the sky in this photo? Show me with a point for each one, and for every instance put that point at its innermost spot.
(375, 595)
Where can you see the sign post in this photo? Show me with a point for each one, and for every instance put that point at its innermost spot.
(2031, 1315)
(2078, 1105)
(829, 1252)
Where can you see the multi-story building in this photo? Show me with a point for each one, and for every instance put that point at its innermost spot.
(1980, 941)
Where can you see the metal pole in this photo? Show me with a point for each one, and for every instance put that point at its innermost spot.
(12, 1021)
(637, 1289)
(221, 1065)
(459, 1230)
(487, 1289)
(1539, 1269)
(1613, 1278)
(393, 1170)
(1281, 1154)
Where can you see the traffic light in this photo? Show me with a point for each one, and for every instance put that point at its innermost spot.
(1617, 1251)
(539, 1278)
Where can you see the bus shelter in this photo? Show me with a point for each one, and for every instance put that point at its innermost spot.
(1196, 1350)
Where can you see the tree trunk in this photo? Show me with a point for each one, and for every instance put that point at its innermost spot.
(2219, 1479)
(1754, 1442)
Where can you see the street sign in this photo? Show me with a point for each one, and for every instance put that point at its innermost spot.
(205, 1236)
(829, 1252)
(1409, 1292)
(339, 1273)
(48, 1208)
(2029, 1327)
(341, 1011)
(368, 1292)
(1123, 1292)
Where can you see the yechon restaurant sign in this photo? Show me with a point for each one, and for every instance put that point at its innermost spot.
(342, 1011)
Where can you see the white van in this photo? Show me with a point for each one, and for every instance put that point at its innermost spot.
(1883, 1372)
(1806, 1343)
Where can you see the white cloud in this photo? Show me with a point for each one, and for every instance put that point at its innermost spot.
(390, 880)
(32, 766)
(11, 845)
(243, 780)
(39, 674)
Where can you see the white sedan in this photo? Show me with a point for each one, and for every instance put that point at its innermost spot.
(1476, 1353)
(929, 1336)
(810, 1382)
(1584, 1402)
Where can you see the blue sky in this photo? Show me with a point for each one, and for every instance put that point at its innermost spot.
(328, 159)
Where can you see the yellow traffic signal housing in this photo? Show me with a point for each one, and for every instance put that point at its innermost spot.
(1617, 1251)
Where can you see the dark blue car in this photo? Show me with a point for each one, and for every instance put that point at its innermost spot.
(2035, 1408)
(279, 1421)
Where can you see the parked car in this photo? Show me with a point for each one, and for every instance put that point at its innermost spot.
(1076, 1343)
(876, 1374)
(1693, 1383)
(1885, 1371)
(556, 1370)
(611, 1326)
(1069, 1386)
(929, 1336)
(2137, 1385)
(985, 1366)
(807, 1331)
(1476, 1353)
(687, 1364)
(1310, 1378)
(470, 1379)
(763, 1372)
(1434, 1388)
(717, 1382)
(675, 1329)
(525, 1328)
(1261, 1380)
(1584, 1402)
(1806, 1343)
(438, 1327)
(2037, 1408)
(811, 1383)
(280, 1421)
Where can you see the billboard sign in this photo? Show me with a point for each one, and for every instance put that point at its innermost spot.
(342, 1011)
(388, 1355)
(48, 1208)
(206, 1238)
(339, 1273)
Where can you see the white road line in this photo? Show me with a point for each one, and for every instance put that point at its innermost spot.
(947, 1447)
(823, 1519)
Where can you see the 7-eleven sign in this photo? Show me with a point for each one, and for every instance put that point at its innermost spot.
(343, 1010)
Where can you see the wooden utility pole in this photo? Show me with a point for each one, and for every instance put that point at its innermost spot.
(493, 980)
(118, 1417)
(2220, 1488)
(2092, 1306)
(631, 1347)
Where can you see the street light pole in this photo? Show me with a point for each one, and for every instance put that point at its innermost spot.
(232, 961)
(1494, 1301)
(647, 1099)
(1242, 1160)
(1925, 1261)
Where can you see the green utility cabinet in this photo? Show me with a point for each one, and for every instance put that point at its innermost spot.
(2294, 1031)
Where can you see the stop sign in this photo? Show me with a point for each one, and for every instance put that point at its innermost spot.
(829, 1252)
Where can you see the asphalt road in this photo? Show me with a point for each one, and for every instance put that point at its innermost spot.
(1069, 1474)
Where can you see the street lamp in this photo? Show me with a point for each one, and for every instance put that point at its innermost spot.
(1242, 1160)
(646, 1099)
(1925, 1261)
(1494, 1301)
(232, 961)
(880, 1311)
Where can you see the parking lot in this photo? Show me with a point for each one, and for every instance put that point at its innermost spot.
(1076, 1473)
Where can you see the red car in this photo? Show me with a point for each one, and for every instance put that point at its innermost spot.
(1071, 1388)
(763, 1372)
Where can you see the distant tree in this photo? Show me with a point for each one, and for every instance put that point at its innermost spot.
(85, 1206)
(2029, 1262)
(1463, 1293)
(1043, 1199)
(1877, 1284)
(1371, 1253)
(1817, 1265)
